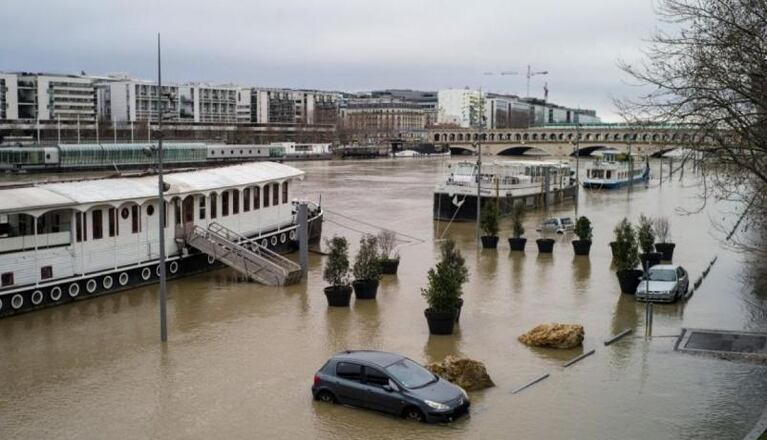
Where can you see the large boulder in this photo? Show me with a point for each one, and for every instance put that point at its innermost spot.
(469, 374)
(554, 335)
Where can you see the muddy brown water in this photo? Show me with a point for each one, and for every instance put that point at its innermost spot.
(241, 356)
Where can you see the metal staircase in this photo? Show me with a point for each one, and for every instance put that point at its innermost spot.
(244, 255)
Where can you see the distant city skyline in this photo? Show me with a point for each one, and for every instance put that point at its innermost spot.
(332, 45)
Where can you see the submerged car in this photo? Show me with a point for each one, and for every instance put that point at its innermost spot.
(391, 383)
(663, 283)
(560, 225)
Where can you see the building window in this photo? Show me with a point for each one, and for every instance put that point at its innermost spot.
(112, 222)
(98, 228)
(46, 272)
(202, 207)
(235, 201)
(275, 194)
(246, 200)
(6, 279)
(285, 192)
(225, 203)
(213, 205)
(135, 220)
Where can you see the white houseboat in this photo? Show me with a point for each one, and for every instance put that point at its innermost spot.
(508, 182)
(61, 242)
(612, 169)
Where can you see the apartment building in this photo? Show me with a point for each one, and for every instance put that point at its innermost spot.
(383, 117)
(287, 106)
(427, 100)
(46, 97)
(459, 107)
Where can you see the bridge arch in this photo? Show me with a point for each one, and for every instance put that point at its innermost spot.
(457, 150)
(520, 150)
(589, 150)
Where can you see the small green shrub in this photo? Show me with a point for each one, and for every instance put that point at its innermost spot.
(489, 220)
(626, 251)
(367, 264)
(336, 272)
(583, 228)
(446, 279)
(646, 235)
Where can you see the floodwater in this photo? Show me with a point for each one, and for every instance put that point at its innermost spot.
(241, 356)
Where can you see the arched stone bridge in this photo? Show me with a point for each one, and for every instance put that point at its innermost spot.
(560, 140)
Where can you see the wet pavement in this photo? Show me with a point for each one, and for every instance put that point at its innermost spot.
(241, 356)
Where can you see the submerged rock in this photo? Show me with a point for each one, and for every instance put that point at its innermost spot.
(469, 374)
(554, 335)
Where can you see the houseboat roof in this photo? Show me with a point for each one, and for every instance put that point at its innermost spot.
(64, 194)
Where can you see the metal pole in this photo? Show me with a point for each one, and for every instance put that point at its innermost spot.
(647, 310)
(577, 163)
(303, 237)
(479, 169)
(131, 132)
(661, 170)
(78, 128)
(114, 128)
(528, 81)
(97, 130)
(58, 128)
(161, 203)
(38, 131)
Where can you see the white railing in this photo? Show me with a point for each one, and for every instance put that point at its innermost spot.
(28, 242)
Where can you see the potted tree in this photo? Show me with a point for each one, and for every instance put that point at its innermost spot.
(387, 240)
(583, 230)
(663, 233)
(367, 268)
(517, 242)
(489, 225)
(646, 238)
(626, 257)
(336, 273)
(444, 290)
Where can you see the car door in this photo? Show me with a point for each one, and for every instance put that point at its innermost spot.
(378, 398)
(348, 386)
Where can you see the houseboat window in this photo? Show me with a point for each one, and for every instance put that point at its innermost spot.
(6, 279)
(285, 192)
(246, 200)
(98, 228)
(112, 221)
(256, 197)
(225, 203)
(46, 272)
(235, 201)
(275, 194)
(80, 227)
(213, 205)
(608, 174)
(150, 210)
(266, 195)
(176, 212)
(202, 207)
(135, 220)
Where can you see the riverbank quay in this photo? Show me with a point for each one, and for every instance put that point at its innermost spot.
(241, 356)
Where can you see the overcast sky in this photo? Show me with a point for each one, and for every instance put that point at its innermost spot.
(349, 45)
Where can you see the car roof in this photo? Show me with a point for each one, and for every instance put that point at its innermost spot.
(378, 358)
(665, 266)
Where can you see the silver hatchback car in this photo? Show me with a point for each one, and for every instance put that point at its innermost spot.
(663, 283)
(391, 383)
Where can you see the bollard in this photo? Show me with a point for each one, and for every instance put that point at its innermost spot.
(303, 237)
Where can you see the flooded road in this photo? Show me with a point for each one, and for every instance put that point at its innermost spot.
(240, 356)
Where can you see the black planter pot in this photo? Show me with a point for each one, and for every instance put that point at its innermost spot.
(338, 296)
(545, 245)
(612, 247)
(458, 313)
(440, 323)
(517, 244)
(489, 241)
(365, 289)
(650, 259)
(667, 249)
(629, 280)
(389, 266)
(581, 247)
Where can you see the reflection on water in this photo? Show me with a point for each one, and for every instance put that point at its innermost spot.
(241, 356)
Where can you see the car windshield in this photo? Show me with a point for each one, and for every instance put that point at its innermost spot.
(410, 374)
(662, 275)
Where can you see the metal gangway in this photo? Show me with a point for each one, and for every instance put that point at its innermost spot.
(244, 255)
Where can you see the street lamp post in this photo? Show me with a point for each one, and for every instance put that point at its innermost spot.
(479, 168)
(161, 201)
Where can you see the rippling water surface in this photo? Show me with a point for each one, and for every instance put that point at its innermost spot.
(241, 356)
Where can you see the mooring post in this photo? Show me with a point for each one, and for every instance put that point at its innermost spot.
(649, 318)
(303, 237)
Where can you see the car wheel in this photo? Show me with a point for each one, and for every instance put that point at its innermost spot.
(326, 396)
(413, 413)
